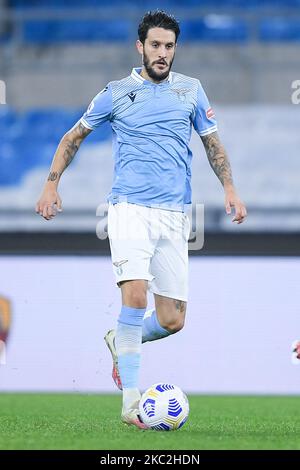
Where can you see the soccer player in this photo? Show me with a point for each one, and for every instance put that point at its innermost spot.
(151, 112)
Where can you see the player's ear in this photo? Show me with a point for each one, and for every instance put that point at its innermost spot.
(140, 47)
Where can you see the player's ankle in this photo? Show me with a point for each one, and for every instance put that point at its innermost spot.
(131, 398)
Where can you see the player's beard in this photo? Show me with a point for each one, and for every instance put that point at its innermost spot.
(158, 77)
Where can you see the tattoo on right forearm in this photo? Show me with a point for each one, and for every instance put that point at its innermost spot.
(70, 151)
(68, 148)
(53, 176)
(78, 134)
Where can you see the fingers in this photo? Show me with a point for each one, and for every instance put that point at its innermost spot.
(47, 211)
(59, 208)
(51, 211)
(240, 214)
(228, 208)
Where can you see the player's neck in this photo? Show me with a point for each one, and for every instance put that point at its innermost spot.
(145, 75)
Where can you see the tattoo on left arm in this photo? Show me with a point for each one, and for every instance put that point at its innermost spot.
(217, 157)
(180, 305)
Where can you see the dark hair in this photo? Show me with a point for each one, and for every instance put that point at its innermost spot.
(157, 19)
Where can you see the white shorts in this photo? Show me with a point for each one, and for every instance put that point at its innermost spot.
(151, 244)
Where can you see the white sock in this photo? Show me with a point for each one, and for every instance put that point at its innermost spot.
(128, 342)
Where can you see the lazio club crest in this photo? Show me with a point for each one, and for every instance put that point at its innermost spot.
(181, 93)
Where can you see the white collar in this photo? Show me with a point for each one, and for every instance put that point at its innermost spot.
(136, 75)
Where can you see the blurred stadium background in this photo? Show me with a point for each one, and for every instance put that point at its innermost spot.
(243, 313)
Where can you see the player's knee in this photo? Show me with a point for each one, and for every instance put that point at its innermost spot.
(138, 302)
(174, 325)
(134, 294)
(137, 299)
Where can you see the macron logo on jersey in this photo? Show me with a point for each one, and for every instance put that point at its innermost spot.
(210, 113)
(132, 96)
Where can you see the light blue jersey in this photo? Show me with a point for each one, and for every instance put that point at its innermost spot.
(152, 125)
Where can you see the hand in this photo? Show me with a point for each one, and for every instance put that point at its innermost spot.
(232, 200)
(49, 204)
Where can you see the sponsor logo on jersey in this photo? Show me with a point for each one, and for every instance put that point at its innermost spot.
(210, 113)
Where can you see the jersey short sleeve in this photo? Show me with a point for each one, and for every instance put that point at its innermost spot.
(204, 120)
(99, 110)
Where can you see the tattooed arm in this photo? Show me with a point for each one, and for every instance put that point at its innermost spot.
(66, 151)
(219, 162)
(64, 154)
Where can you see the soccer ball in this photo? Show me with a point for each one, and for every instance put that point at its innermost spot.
(164, 407)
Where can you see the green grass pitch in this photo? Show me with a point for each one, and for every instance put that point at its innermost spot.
(77, 421)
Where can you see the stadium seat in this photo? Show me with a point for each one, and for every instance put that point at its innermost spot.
(222, 4)
(11, 164)
(279, 29)
(214, 28)
(45, 124)
(57, 31)
(30, 139)
(8, 118)
(38, 153)
(88, 4)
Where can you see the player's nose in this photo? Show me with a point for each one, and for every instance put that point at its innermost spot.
(162, 51)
